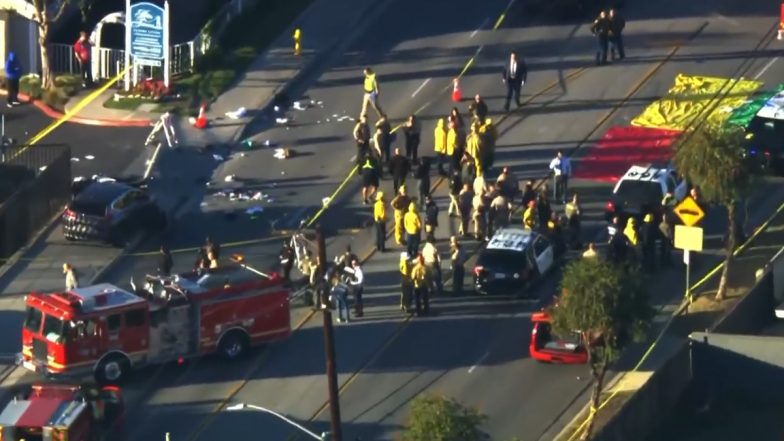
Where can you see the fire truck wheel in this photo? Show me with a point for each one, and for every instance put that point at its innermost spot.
(112, 369)
(234, 345)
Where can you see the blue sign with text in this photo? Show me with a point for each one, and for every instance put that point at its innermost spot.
(147, 32)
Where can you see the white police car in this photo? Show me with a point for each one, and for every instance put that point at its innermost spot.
(512, 260)
(641, 190)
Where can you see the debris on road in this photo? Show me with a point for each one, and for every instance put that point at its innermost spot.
(218, 158)
(237, 114)
(229, 178)
(299, 106)
(282, 120)
(283, 153)
(254, 210)
(89, 157)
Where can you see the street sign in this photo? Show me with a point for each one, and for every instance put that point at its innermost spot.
(147, 32)
(688, 238)
(689, 212)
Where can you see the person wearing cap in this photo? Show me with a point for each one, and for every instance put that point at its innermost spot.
(71, 282)
(420, 278)
(399, 204)
(380, 219)
(406, 283)
(529, 216)
(457, 256)
(413, 227)
(649, 234)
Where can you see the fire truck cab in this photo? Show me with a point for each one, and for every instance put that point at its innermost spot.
(547, 347)
(108, 330)
(58, 412)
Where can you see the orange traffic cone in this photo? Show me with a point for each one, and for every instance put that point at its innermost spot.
(201, 120)
(457, 96)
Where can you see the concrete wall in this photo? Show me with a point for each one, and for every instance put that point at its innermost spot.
(752, 312)
(751, 366)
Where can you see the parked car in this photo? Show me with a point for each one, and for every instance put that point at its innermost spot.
(640, 191)
(111, 211)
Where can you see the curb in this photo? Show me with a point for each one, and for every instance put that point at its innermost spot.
(56, 114)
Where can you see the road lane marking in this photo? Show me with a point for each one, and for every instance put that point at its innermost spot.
(473, 34)
(478, 362)
(765, 69)
(421, 86)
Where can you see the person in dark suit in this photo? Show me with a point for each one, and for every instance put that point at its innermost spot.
(515, 75)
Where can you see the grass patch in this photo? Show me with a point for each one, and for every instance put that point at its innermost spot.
(129, 103)
(242, 41)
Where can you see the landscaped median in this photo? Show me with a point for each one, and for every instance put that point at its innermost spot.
(65, 87)
(637, 401)
(243, 39)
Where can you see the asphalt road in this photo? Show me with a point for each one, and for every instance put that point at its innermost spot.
(484, 361)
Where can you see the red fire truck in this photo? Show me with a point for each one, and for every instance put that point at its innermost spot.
(548, 347)
(108, 330)
(55, 412)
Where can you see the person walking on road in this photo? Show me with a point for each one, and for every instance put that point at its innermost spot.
(420, 278)
(464, 204)
(601, 29)
(433, 263)
(362, 138)
(413, 226)
(431, 218)
(357, 285)
(83, 51)
(400, 204)
(71, 281)
(380, 219)
(406, 283)
(457, 257)
(616, 26)
(371, 93)
(412, 130)
(423, 174)
(514, 76)
(370, 179)
(440, 135)
(382, 139)
(13, 72)
(478, 109)
(165, 261)
(399, 168)
(455, 185)
(561, 168)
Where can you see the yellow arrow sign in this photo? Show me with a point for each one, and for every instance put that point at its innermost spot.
(689, 212)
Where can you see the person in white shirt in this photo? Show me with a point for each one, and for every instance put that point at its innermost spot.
(433, 264)
(356, 285)
(71, 282)
(561, 168)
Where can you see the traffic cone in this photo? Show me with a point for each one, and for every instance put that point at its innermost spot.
(201, 120)
(457, 96)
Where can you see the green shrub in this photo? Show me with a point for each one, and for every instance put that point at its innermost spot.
(55, 97)
(31, 85)
(70, 84)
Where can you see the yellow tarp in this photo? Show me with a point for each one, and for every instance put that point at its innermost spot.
(691, 96)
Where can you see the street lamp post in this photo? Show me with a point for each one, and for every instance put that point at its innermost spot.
(243, 406)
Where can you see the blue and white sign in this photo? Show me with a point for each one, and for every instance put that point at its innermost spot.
(148, 29)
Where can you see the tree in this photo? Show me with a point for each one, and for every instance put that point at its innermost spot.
(437, 418)
(43, 18)
(711, 157)
(608, 306)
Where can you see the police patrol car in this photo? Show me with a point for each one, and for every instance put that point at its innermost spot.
(512, 260)
(641, 190)
(765, 135)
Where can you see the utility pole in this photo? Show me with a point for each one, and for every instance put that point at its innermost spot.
(329, 339)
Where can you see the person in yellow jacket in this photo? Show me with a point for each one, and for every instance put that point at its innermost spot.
(400, 204)
(631, 231)
(529, 216)
(406, 283)
(380, 219)
(413, 227)
(370, 86)
(420, 278)
(488, 135)
(440, 139)
(474, 149)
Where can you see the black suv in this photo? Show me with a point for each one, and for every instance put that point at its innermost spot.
(110, 211)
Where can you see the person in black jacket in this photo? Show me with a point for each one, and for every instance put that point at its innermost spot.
(514, 76)
(399, 168)
(423, 174)
(165, 261)
(431, 219)
(601, 29)
(617, 23)
(286, 260)
(412, 130)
